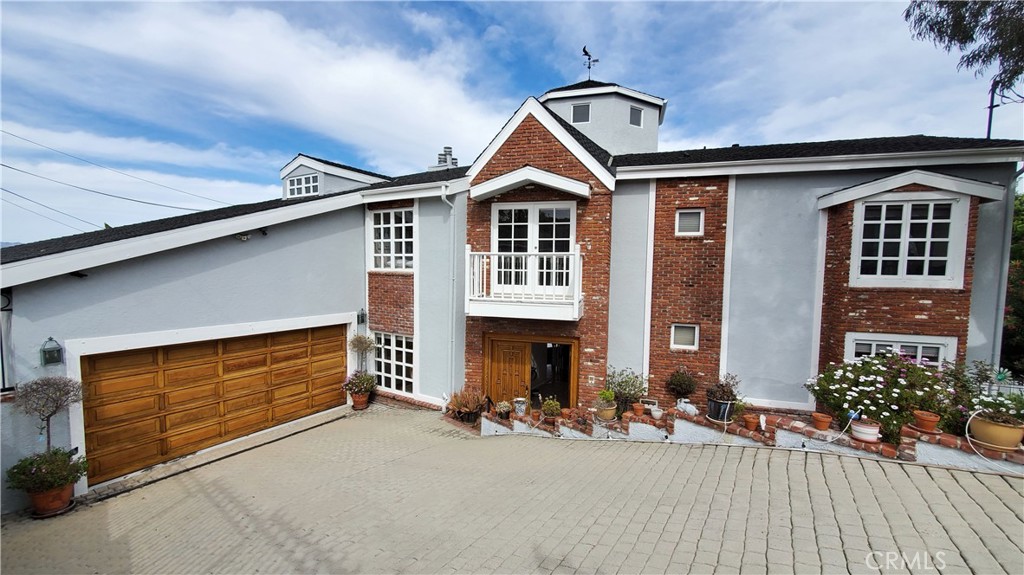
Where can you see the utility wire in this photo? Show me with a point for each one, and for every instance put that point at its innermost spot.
(50, 208)
(98, 192)
(41, 215)
(111, 169)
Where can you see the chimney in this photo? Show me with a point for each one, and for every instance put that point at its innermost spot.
(445, 160)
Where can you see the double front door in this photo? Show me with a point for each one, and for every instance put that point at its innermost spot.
(530, 367)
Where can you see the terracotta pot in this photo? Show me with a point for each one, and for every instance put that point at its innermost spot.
(535, 414)
(550, 419)
(606, 413)
(751, 421)
(925, 421)
(638, 408)
(998, 436)
(46, 503)
(865, 430)
(360, 400)
(821, 420)
(566, 413)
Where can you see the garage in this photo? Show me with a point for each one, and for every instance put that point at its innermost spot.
(148, 406)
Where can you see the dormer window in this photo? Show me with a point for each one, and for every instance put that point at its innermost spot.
(304, 185)
(580, 113)
(636, 116)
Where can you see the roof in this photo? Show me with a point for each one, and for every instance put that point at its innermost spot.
(599, 153)
(584, 85)
(427, 177)
(864, 146)
(342, 166)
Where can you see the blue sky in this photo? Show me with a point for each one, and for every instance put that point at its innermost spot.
(212, 99)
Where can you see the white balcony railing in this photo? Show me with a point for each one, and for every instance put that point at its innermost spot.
(525, 285)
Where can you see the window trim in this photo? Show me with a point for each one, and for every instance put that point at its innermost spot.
(301, 186)
(572, 112)
(410, 362)
(696, 337)
(956, 255)
(630, 119)
(534, 208)
(370, 254)
(947, 344)
(699, 232)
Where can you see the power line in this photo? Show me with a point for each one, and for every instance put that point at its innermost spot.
(41, 215)
(111, 169)
(98, 192)
(50, 208)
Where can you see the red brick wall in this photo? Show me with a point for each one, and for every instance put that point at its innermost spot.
(912, 311)
(390, 302)
(688, 282)
(531, 144)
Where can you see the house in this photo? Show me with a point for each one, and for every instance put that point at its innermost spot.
(569, 246)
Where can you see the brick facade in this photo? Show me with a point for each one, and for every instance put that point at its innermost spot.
(390, 294)
(531, 144)
(688, 282)
(911, 311)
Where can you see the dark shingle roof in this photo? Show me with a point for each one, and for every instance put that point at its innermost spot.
(864, 146)
(343, 166)
(599, 153)
(427, 177)
(582, 86)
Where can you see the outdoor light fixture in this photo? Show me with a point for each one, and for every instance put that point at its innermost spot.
(51, 352)
(242, 237)
(361, 317)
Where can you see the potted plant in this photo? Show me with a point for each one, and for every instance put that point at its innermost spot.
(503, 408)
(866, 430)
(681, 383)
(49, 477)
(721, 398)
(925, 421)
(606, 405)
(551, 409)
(360, 384)
(638, 408)
(363, 345)
(739, 411)
(821, 421)
(997, 423)
(628, 387)
(466, 405)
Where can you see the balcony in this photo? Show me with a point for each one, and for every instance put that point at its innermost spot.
(525, 285)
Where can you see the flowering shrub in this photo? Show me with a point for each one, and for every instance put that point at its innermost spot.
(885, 388)
(360, 382)
(45, 471)
(1000, 408)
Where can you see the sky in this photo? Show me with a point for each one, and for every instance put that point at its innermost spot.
(198, 105)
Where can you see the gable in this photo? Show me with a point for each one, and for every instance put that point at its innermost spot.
(913, 179)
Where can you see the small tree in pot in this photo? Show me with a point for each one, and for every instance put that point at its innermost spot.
(721, 398)
(681, 383)
(49, 477)
(627, 385)
(363, 345)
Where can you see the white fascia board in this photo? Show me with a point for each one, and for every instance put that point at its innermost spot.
(30, 270)
(822, 164)
(939, 181)
(319, 166)
(528, 175)
(532, 107)
(583, 92)
(429, 190)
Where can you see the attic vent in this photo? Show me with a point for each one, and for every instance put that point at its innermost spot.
(445, 160)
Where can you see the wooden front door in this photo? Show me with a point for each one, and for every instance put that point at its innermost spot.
(509, 370)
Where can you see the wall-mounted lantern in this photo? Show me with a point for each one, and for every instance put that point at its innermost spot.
(361, 317)
(51, 352)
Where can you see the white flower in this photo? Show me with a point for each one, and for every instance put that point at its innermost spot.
(846, 405)
(894, 408)
(885, 414)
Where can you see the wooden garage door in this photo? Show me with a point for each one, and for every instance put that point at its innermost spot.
(147, 406)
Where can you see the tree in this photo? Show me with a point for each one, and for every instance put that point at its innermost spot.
(986, 33)
(1012, 356)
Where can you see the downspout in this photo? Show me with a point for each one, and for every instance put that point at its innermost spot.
(451, 291)
(1004, 268)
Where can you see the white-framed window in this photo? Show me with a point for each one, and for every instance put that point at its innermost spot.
(540, 238)
(690, 222)
(910, 239)
(636, 117)
(580, 113)
(393, 362)
(306, 185)
(930, 348)
(685, 336)
(393, 242)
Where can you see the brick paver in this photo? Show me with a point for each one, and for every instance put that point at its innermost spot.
(395, 490)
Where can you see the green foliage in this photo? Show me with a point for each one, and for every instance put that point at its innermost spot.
(682, 383)
(551, 407)
(360, 382)
(45, 471)
(985, 33)
(1000, 408)
(503, 407)
(606, 397)
(627, 385)
(724, 389)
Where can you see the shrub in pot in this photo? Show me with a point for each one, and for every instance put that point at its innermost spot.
(503, 408)
(628, 387)
(48, 477)
(721, 398)
(681, 383)
(998, 424)
(360, 384)
(466, 405)
(362, 345)
(551, 408)
(606, 404)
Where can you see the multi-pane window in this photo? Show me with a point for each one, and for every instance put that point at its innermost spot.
(906, 239)
(636, 116)
(685, 336)
(689, 222)
(921, 348)
(539, 238)
(392, 239)
(393, 362)
(916, 352)
(580, 113)
(304, 185)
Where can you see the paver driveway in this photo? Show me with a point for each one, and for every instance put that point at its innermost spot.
(392, 490)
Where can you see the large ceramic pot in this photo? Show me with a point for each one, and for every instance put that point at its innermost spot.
(606, 413)
(360, 400)
(998, 436)
(925, 421)
(52, 502)
(520, 405)
(469, 416)
(720, 411)
(865, 430)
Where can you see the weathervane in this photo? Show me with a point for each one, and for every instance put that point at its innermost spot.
(590, 60)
